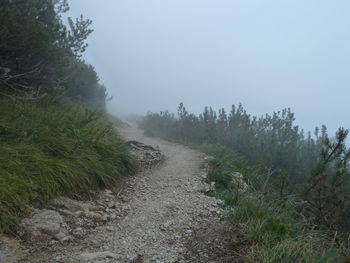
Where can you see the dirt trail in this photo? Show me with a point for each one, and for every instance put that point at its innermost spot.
(170, 219)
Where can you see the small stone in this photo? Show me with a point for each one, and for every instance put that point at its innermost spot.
(107, 191)
(113, 216)
(3, 255)
(97, 255)
(77, 231)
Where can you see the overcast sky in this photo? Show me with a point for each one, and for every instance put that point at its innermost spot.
(266, 54)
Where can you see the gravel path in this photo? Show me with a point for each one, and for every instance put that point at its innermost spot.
(172, 220)
(169, 218)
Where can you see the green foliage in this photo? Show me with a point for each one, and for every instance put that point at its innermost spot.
(291, 203)
(286, 162)
(272, 141)
(46, 151)
(39, 53)
(310, 249)
(328, 187)
(268, 229)
(47, 146)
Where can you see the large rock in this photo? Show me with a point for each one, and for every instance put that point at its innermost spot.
(70, 205)
(47, 222)
(147, 155)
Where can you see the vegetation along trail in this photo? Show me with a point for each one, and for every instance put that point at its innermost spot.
(169, 218)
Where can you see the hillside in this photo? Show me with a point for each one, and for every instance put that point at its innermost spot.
(55, 136)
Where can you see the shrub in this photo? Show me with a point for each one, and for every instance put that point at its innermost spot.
(293, 193)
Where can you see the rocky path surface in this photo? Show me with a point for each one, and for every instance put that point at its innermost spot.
(160, 215)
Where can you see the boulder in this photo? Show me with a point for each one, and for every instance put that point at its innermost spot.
(47, 222)
(147, 155)
(70, 205)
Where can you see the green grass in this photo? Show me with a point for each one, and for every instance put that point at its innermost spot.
(307, 249)
(268, 229)
(48, 151)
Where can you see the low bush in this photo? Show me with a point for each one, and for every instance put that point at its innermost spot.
(268, 229)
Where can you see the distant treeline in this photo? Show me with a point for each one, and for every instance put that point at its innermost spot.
(292, 162)
(41, 57)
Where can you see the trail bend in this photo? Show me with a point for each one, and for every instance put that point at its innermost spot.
(169, 219)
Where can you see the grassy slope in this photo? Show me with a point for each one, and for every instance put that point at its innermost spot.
(268, 229)
(47, 151)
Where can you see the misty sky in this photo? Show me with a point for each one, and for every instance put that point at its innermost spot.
(267, 54)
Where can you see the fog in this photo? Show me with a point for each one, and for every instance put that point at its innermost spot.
(268, 55)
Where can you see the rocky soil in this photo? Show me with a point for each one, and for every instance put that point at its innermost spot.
(147, 155)
(159, 215)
